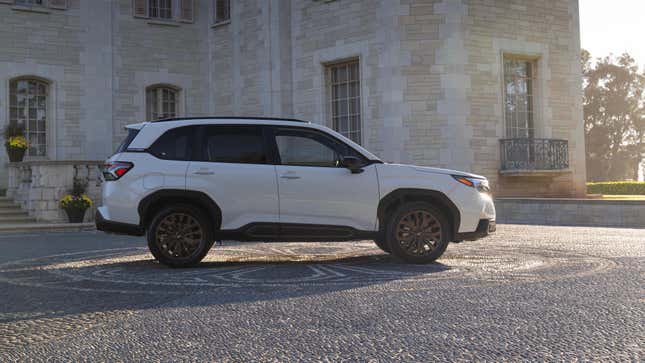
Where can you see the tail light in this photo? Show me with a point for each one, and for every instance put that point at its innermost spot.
(116, 169)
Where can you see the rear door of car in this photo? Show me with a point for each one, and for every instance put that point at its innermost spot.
(233, 168)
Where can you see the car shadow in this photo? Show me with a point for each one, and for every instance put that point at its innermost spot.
(142, 283)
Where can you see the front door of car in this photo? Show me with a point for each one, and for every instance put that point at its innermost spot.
(232, 168)
(315, 189)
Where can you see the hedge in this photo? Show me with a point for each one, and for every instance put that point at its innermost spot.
(617, 188)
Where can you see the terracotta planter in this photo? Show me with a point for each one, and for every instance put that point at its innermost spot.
(75, 215)
(16, 154)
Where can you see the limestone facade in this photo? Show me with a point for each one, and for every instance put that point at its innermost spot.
(431, 73)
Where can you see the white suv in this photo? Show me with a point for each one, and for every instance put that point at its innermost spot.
(186, 183)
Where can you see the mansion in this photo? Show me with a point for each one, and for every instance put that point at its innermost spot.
(491, 87)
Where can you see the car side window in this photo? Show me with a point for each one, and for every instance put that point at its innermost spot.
(309, 148)
(235, 144)
(173, 144)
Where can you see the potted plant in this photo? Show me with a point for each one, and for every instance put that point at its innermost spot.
(76, 203)
(15, 143)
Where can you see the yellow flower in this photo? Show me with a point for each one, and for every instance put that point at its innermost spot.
(87, 200)
(73, 202)
(18, 142)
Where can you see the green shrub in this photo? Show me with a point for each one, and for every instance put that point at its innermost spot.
(617, 188)
(3, 192)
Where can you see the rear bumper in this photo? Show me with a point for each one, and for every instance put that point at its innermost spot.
(105, 225)
(484, 228)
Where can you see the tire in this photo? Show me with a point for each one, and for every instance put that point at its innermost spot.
(418, 232)
(382, 244)
(180, 249)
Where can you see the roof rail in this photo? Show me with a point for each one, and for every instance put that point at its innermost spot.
(229, 117)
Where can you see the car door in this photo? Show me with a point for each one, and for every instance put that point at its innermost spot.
(233, 169)
(315, 189)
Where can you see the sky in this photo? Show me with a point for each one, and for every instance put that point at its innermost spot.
(613, 26)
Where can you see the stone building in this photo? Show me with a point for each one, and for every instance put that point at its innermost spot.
(487, 86)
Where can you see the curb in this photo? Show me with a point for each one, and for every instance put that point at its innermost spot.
(46, 227)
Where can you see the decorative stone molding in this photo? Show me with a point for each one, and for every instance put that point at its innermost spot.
(37, 186)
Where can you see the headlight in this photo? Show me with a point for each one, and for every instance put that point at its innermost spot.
(479, 184)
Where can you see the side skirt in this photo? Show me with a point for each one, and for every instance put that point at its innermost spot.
(287, 232)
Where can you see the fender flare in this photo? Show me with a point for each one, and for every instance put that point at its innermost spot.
(403, 195)
(179, 196)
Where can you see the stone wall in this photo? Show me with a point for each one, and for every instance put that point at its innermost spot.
(430, 70)
(571, 212)
(326, 32)
(38, 186)
(45, 44)
(149, 52)
(431, 75)
(547, 31)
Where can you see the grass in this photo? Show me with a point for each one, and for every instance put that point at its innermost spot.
(617, 188)
(616, 197)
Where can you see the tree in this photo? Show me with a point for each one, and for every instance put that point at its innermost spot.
(614, 117)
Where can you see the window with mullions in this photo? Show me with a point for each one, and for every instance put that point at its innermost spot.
(345, 99)
(519, 80)
(222, 11)
(160, 9)
(161, 102)
(28, 109)
(29, 2)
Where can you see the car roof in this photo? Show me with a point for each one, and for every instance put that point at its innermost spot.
(170, 123)
(230, 118)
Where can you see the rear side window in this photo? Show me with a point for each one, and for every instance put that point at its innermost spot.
(234, 144)
(132, 133)
(173, 144)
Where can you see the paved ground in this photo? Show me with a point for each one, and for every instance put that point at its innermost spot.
(528, 293)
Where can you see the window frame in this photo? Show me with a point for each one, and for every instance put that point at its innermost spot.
(171, 10)
(216, 20)
(49, 125)
(30, 4)
(510, 131)
(159, 100)
(329, 98)
(200, 152)
(272, 133)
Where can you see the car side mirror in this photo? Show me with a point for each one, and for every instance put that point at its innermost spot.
(354, 164)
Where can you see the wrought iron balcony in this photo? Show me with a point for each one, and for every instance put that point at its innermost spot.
(529, 154)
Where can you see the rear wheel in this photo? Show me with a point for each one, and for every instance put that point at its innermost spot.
(179, 235)
(418, 232)
(382, 244)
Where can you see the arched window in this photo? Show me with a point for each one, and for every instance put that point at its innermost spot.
(28, 99)
(162, 101)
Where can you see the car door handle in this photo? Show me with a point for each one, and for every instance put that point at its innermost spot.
(204, 172)
(290, 177)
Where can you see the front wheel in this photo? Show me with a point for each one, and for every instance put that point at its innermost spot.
(418, 232)
(179, 236)
(382, 244)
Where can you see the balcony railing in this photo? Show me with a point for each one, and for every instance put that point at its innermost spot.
(534, 154)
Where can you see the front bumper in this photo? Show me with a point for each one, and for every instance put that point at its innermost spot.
(105, 225)
(485, 227)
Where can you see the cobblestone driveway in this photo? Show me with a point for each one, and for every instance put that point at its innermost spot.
(527, 293)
